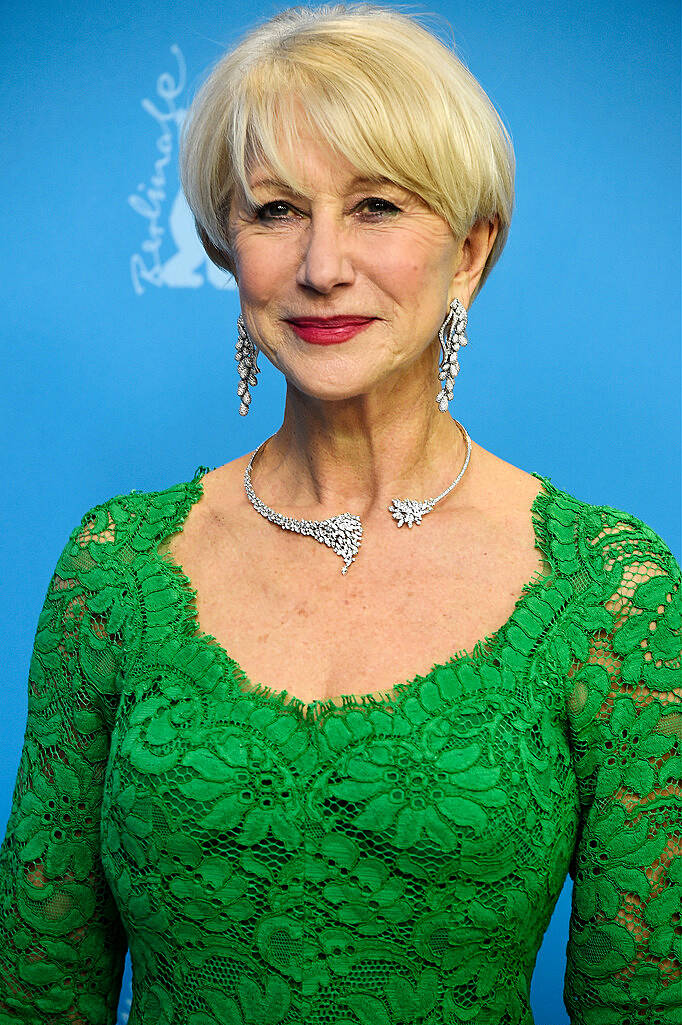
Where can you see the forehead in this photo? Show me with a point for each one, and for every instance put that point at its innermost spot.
(265, 179)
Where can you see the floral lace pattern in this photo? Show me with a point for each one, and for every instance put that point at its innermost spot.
(377, 860)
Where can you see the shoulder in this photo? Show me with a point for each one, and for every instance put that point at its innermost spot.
(608, 541)
(643, 574)
(614, 533)
(134, 517)
(584, 540)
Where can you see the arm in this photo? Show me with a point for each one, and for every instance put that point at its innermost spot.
(62, 944)
(624, 953)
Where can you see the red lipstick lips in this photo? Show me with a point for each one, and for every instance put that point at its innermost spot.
(329, 330)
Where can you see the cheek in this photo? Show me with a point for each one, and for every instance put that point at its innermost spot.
(406, 279)
(255, 262)
(407, 264)
(261, 280)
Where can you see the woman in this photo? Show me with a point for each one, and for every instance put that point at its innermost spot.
(254, 759)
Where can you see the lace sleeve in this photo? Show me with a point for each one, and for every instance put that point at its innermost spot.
(624, 952)
(62, 944)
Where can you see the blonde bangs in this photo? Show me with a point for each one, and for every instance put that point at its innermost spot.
(372, 84)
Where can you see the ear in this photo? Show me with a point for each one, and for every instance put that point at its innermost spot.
(473, 254)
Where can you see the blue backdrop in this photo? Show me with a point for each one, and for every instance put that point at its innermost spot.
(118, 337)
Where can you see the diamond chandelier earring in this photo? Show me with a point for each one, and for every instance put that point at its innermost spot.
(247, 356)
(451, 337)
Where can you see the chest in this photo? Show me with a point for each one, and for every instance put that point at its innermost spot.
(278, 603)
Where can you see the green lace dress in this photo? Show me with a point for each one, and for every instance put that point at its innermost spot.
(369, 860)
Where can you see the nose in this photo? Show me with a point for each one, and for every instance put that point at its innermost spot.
(325, 258)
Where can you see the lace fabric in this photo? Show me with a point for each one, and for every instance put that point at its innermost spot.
(390, 859)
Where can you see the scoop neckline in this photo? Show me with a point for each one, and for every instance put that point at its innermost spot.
(315, 712)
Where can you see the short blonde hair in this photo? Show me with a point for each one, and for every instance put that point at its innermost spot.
(375, 85)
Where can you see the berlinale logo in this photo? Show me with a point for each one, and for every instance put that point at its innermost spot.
(183, 262)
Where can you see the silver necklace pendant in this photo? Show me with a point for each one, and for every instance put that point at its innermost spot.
(409, 511)
(343, 534)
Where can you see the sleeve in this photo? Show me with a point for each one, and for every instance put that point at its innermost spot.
(624, 706)
(62, 943)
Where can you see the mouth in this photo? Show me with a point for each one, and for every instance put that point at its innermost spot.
(329, 331)
(329, 322)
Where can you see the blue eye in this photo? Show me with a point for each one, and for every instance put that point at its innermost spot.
(261, 215)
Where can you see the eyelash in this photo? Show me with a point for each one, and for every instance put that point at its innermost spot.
(280, 202)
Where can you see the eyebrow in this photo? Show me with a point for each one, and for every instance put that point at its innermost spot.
(358, 180)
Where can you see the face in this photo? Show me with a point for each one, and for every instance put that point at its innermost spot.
(367, 249)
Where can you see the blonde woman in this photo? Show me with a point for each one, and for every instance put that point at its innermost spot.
(319, 733)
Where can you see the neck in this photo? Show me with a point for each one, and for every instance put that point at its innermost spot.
(331, 457)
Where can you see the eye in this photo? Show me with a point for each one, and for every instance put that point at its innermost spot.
(261, 210)
(391, 206)
(262, 214)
